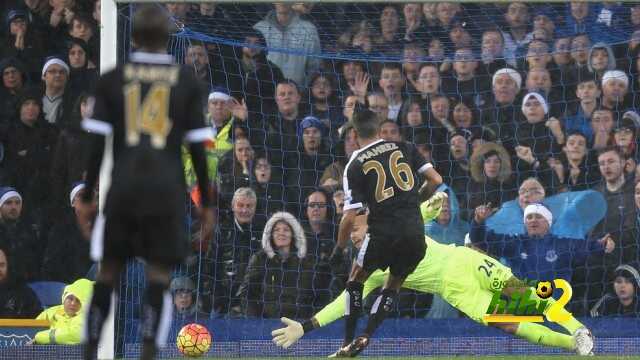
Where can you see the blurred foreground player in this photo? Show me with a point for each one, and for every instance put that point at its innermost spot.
(464, 278)
(150, 106)
(383, 176)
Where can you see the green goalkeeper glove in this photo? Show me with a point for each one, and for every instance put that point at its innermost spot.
(431, 208)
(287, 336)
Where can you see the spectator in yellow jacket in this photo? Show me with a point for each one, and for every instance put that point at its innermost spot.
(67, 319)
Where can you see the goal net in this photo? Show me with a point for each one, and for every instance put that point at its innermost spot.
(492, 94)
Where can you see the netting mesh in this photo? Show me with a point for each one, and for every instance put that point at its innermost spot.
(491, 93)
(432, 70)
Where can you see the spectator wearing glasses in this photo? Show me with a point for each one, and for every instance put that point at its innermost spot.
(56, 100)
(321, 233)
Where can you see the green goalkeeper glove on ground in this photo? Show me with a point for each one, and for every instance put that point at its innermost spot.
(287, 336)
(431, 208)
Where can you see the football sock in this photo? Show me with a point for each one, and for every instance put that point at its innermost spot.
(353, 309)
(98, 312)
(156, 318)
(539, 334)
(383, 306)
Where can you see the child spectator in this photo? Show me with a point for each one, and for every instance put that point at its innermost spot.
(625, 298)
(67, 319)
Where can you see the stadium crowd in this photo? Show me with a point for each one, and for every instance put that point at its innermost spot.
(509, 101)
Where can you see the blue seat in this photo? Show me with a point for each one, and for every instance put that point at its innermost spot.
(48, 292)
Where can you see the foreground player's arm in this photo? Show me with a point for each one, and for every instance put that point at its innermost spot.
(346, 225)
(100, 127)
(426, 169)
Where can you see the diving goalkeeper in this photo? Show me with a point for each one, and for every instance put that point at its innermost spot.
(465, 278)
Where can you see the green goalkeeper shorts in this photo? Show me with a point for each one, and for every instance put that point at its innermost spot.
(470, 281)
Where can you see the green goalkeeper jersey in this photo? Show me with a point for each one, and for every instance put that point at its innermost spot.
(427, 277)
(463, 277)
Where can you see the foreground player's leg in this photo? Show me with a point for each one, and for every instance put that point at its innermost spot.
(106, 280)
(538, 334)
(381, 308)
(156, 310)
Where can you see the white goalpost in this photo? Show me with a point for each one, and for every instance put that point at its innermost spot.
(108, 61)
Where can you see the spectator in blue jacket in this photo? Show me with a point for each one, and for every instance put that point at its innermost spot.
(537, 254)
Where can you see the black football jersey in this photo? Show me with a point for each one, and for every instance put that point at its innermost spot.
(384, 177)
(150, 106)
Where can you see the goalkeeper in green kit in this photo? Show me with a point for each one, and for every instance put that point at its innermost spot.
(465, 278)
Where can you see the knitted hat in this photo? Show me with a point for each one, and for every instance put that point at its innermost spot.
(7, 193)
(539, 209)
(75, 189)
(512, 74)
(54, 61)
(219, 93)
(312, 121)
(613, 75)
(181, 283)
(540, 99)
(14, 14)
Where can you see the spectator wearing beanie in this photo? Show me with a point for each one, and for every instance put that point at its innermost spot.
(186, 307)
(66, 257)
(56, 99)
(22, 43)
(303, 169)
(537, 254)
(18, 236)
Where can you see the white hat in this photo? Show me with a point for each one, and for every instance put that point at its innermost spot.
(512, 74)
(54, 61)
(538, 209)
(7, 193)
(219, 93)
(615, 75)
(539, 97)
(75, 190)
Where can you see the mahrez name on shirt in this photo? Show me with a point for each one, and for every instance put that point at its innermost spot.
(377, 150)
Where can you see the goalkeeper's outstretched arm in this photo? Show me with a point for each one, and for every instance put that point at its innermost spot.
(289, 335)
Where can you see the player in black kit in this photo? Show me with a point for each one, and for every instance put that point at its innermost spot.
(383, 176)
(150, 106)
